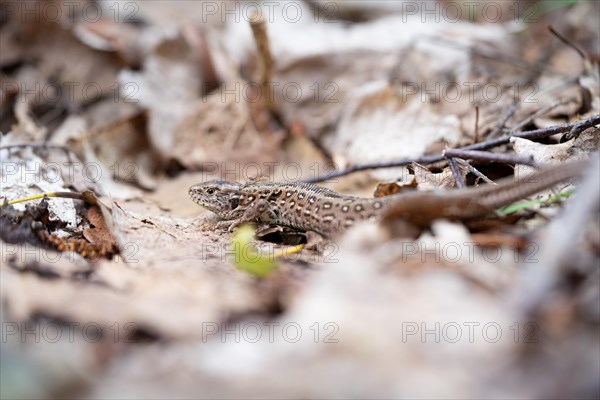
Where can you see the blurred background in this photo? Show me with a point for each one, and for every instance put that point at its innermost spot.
(138, 100)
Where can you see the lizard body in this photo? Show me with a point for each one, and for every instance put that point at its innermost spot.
(309, 207)
(298, 205)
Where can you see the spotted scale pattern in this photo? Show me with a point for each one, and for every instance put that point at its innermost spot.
(297, 205)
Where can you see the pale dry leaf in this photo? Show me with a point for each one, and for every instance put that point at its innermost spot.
(428, 180)
(551, 154)
(377, 125)
(222, 124)
(167, 86)
(85, 74)
(78, 174)
(99, 233)
(158, 301)
(25, 174)
(343, 296)
(101, 175)
(126, 150)
(319, 64)
(46, 263)
(26, 127)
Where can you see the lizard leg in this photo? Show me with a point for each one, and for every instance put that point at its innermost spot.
(231, 224)
(260, 211)
(225, 224)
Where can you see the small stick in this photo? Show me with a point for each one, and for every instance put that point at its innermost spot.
(460, 182)
(259, 31)
(476, 139)
(575, 131)
(568, 42)
(430, 159)
(88, 196)
(489, 156)
(502, 122)
(476, 172)
(539, 112)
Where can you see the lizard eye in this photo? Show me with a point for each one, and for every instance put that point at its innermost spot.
(210, 190)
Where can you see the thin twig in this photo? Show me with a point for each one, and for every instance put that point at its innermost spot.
(476, 172)
(502, 122)
(430, 159)
(489, 156)
(575, 131)
(568, 42)
(539, 112)
(476, 139)
(460, 182)
(259, 31)
(87, 195)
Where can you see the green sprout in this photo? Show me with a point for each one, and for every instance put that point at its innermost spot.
(252, 260)
(528, 204)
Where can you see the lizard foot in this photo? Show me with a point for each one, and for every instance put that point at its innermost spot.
(231, 225)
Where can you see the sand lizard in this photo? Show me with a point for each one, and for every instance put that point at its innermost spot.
(309, 207)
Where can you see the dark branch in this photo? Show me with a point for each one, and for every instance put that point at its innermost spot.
(578, 126)
(489, 156)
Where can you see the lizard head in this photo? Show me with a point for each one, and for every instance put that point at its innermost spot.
(220, 197)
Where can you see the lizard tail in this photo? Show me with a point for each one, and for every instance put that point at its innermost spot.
(531, 184)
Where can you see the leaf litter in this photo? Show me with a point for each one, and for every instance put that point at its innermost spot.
(142, 295)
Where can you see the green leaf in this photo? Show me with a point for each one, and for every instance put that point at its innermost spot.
(528, 204)
(247, 257)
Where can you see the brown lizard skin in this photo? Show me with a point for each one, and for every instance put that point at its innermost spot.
(309, 207)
